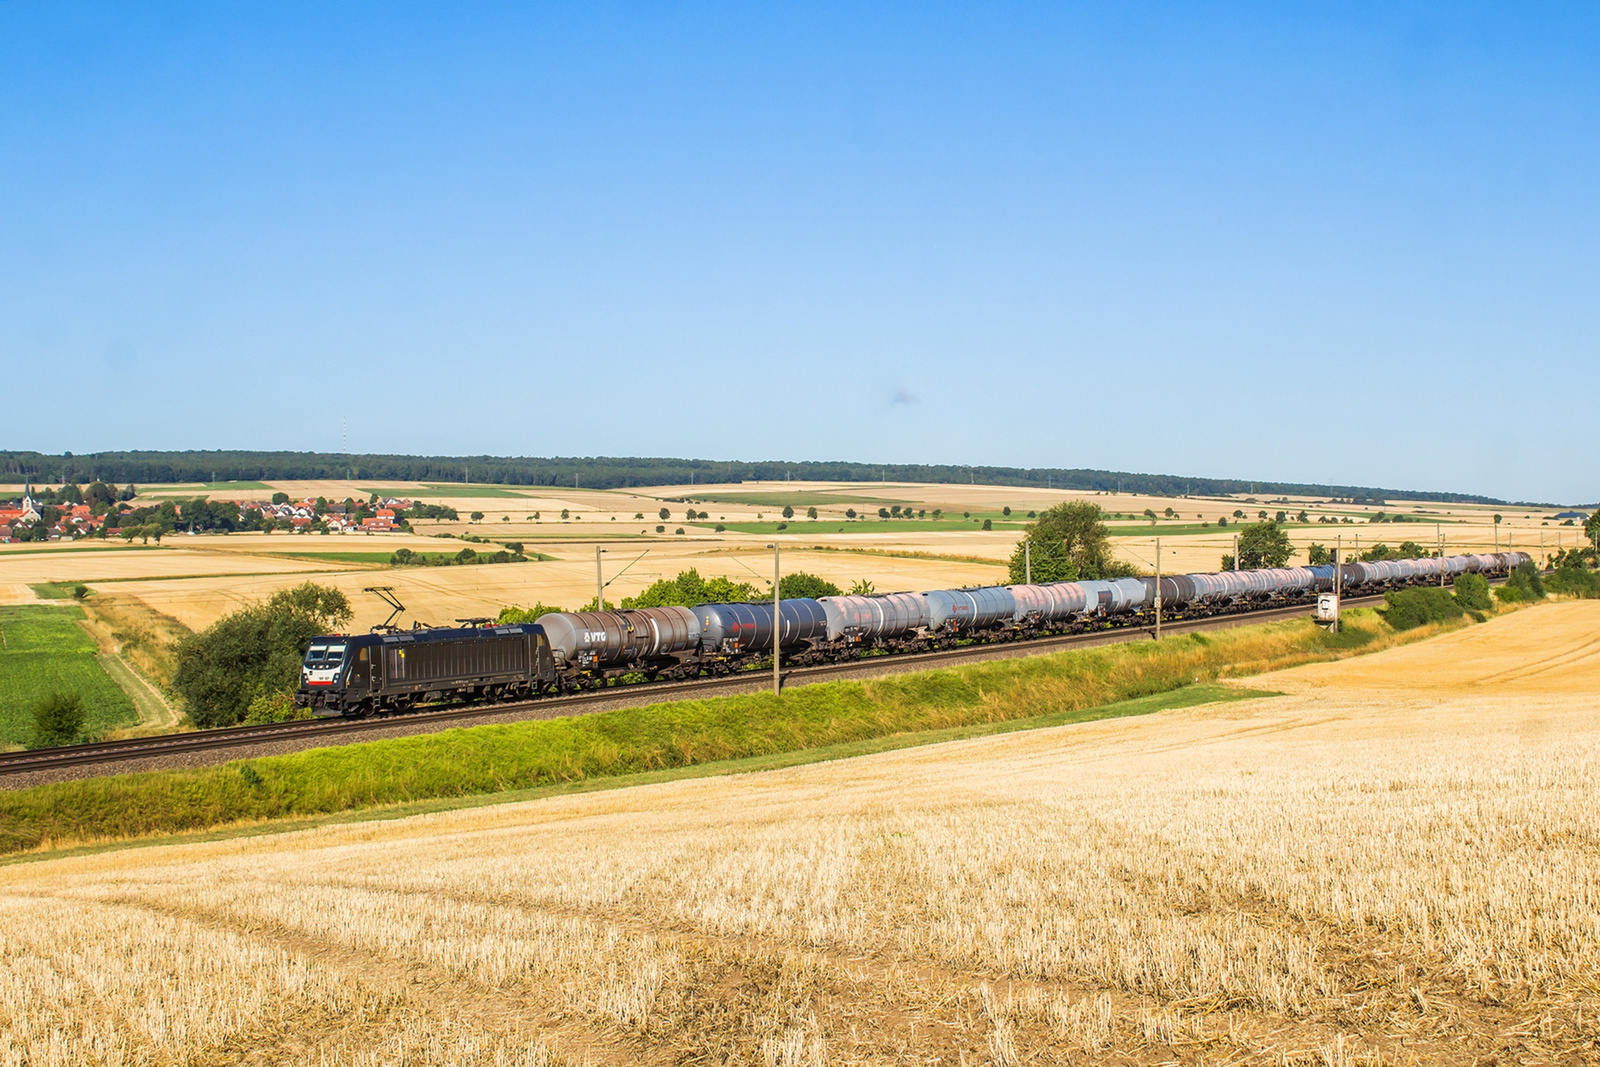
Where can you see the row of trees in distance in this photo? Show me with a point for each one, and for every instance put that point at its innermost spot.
(613, 472)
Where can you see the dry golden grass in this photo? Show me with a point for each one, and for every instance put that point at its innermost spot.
(441, 594)
(1394, 863)
(168, 561)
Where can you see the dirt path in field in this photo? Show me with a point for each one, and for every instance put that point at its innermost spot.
(154, 709)
(1395, 862)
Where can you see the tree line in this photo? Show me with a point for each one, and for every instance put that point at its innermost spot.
(615, 472)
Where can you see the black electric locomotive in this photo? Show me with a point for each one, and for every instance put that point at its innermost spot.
(354, 675)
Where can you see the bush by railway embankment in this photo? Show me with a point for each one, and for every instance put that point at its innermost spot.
(884, 713)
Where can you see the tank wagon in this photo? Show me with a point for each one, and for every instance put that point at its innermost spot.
(567, 651)
(652, 641)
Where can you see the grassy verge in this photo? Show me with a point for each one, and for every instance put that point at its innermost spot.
(1189, 696)
(658, 737)
(43, 650)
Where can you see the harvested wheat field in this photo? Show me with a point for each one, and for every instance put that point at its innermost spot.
(1396, 862)
(438, 595)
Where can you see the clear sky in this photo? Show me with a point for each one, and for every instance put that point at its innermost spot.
(1306, 242)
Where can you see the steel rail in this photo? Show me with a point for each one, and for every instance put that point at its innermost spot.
(138, 748)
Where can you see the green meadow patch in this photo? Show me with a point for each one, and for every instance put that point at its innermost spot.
(43, 650)
(313, 556)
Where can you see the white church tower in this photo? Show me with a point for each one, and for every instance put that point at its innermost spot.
(29, 512)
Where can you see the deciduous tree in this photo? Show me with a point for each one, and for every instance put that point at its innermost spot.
(1067, 541)
(801, 584)
(252, 651)
(1263, 544)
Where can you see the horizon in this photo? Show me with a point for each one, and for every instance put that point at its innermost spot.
(1344, 247)
(229, 466)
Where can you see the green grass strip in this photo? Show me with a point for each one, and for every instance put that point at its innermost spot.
(1187, 697)
(313, 556)
(497, 758)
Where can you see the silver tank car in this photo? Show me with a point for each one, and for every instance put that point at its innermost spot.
(1209, 587)
(741, 628)
(958, 610)
(1099, 598)
(618, 638)
(1230, 585)
(1114, 597)
(1033, 603)
(1295, 580)
(1070, 599)
(1131, 594)
(1044, 605)
(874, 618)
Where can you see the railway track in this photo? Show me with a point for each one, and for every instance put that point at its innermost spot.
(309, 733)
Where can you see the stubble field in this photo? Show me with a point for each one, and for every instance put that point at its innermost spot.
(1395, 862)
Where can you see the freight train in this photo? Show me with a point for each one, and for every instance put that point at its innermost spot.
(569, 651)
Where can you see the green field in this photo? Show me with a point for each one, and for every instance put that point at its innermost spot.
(1172, 529)
(44, 650)
(800, 499)
(313, 556)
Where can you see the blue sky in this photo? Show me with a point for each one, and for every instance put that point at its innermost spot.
(1273, 241)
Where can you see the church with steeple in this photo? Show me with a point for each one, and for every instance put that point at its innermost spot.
(30, 513)
(12, 517)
